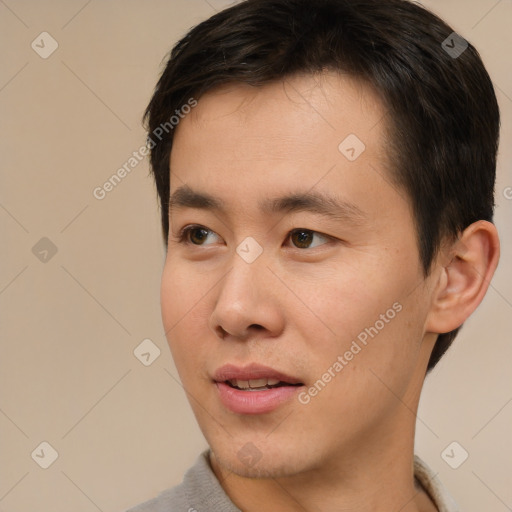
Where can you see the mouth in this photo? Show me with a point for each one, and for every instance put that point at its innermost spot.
(254, 389)
(257, 384)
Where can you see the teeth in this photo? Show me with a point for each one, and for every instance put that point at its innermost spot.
(259, 383)
(254, 383)
(242, 384)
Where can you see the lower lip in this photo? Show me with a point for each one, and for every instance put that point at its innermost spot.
(255, 402)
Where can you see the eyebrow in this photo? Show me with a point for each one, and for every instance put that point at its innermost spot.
(311, 201)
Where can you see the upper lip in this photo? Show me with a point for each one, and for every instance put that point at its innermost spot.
(250, 372)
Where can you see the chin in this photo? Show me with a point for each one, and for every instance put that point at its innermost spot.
(260, 458)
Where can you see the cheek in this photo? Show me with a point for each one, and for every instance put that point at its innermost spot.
(169, 291)
(183, 301)
(376, 322)
(344, 302)
(183, 289)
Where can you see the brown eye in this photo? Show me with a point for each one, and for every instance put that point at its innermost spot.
(197, 235)
(303, 238)
(194, 235)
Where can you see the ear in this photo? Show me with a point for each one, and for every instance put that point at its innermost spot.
(464, 277)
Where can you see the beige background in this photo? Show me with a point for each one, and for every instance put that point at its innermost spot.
(123, 431)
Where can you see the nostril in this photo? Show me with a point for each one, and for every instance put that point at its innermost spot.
(221, 332)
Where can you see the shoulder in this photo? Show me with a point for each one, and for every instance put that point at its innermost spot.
(433, 486)
(200, 491)
(171, 500)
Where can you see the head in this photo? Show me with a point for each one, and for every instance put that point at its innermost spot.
(356, 100)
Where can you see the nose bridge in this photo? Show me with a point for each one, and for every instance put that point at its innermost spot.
(240, 288)
(248, 271)
(245, 298)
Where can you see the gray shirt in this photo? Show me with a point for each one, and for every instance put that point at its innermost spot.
(200, 491)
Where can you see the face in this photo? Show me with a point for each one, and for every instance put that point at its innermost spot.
(294, 302)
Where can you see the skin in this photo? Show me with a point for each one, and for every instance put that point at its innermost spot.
(297, 309)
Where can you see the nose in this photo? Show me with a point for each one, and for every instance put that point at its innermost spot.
(247, 302)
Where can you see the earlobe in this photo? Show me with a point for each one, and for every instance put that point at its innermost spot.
(464, 277)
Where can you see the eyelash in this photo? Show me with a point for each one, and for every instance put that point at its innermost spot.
(183, 234)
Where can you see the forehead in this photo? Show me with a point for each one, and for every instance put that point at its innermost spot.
(305, 107)
(242, 143)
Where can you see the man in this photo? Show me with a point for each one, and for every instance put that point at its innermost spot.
(325, 171)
